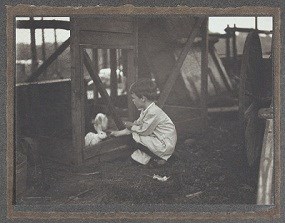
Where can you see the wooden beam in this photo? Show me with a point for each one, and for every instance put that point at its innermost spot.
(113, 75)
(204, 70)
(246, 30)
(49, 61)
(214, 81)
(43, 48)
(234, 44)
(56, 61)
(228, 52)
(95, 57)
(77, 96)
(42, 24)
(175, 71)
(33, 48)
(97, 81)
(221, 72)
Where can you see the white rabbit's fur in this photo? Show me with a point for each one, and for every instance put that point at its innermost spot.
(100, 122)
(92, 139)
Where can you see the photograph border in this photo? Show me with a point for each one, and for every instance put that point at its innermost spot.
(255, 212)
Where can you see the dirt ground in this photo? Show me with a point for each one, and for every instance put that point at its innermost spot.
(209, 168)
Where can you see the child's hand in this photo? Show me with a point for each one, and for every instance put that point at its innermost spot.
(128, 124)
(120, 133)
(115, 133)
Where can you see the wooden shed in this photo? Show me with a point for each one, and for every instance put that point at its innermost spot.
(147, 46)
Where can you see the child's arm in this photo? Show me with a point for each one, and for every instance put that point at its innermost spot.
(121, 132)
(149, 123)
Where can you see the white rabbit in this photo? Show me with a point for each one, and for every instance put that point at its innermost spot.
(100, 122)
(92, 139)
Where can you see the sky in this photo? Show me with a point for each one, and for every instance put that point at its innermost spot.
(216, 25)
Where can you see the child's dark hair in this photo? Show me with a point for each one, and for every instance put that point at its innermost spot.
(144, 87)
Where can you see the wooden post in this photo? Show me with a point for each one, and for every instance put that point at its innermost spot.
(204, 70)
(256, 24)
(105, 58)
(228, 52)
(113, 75)
(234, 44)
(96, 69)
(77, 99)
(132, 74)
(43, 48)
(227, 83)
(124, 61)
(56, 60)
(33, 49)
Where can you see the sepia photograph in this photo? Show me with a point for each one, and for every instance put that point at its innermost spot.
(144, 110)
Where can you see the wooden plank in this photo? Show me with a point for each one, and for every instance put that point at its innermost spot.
(132, 75)
(43, 48)
(106, 146)
(33, 48)
(105, 38)
(266, 173)
(121, 151)
(113, 75)
(246, 30)
(223, 109)
(214, 81)
(228, 53)
(49, 61)
(175, 71)
(77, 102)
(218, 64)
(194, 89)
(104, 46)
(97, 81)
(204, 70)
(234, 42)
(42, 24)
(95, 60)
(105, 25)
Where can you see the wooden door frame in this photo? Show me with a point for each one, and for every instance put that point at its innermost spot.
(77, 83)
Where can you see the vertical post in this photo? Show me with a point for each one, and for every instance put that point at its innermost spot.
(78, 99)
(55, 48)
(234, 44)
(43, 48)
(108, 58)
(132, 68)
(33, 48)
(104, 58)
(228, 52)
(113, 75)
(256, 24)
(96, 69)
(204, 70)
(125, 68)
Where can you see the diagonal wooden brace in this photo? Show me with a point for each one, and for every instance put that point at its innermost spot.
(175, 71)
(221, 72)
(97, 81)
(49, 61)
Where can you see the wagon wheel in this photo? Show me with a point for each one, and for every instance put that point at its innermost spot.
(254, 92)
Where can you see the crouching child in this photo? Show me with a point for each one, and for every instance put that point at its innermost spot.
(153, 134)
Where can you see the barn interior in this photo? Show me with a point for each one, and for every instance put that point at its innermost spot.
(222, 131)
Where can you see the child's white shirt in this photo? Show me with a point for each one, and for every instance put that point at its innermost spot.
(155, 130)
